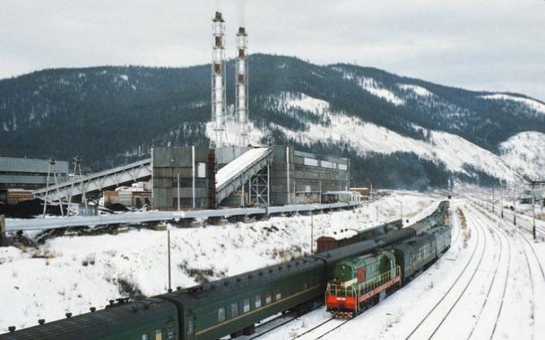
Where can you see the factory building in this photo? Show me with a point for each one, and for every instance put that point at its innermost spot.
(20, 175)
(190, 177)
(183, 177)
(186, 177)
(228, 173)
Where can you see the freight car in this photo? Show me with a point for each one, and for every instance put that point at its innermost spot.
(363, 281)
(345, 237)
(228, 306)
(349, 236)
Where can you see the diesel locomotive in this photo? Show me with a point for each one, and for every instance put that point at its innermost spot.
(230, 306)
(365, 280)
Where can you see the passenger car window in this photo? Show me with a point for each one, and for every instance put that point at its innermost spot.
(257, 301)
(221, 314)
(234, 309)
(246, 306)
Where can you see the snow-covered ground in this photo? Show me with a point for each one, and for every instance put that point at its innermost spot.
(489, 285)
(489, 274)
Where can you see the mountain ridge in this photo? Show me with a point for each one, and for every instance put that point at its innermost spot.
(402, 131)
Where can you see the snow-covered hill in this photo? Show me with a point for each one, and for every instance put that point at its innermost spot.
(399, 132)
(525, 153)
(461, 157)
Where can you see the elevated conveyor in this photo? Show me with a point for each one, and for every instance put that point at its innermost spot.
(228, 179)
(123, 175)
(240, 170)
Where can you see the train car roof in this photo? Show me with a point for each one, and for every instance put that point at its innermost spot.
(99, 324)
(217, 290)
(338, 235)
(414, 242)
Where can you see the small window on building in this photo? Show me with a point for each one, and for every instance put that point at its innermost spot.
(268, 298)
(221, 314)
(234, 309)
(201, 170)
(257, 301)
(246, 306)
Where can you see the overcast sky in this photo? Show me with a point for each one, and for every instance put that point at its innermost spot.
(496, 45)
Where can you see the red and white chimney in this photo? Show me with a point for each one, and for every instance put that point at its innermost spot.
(218, 79)
(241, 100)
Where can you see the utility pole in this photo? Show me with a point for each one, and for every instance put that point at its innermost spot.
(311, 233)
(533, 216)
(169, 278)
(533, 211)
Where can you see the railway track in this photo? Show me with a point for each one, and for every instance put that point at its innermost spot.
(489, 313)
(487, 290)
(322, 329)
(275, 323)
(440, 311)
(523, 235)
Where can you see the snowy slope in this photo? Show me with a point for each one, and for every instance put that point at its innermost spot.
(524, 153)
(455, 152)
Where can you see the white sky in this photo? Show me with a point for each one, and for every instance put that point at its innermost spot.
(475, 44)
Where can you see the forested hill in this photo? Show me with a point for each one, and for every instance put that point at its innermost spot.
(399, 132)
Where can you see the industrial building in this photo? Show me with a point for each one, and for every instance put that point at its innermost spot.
(18, 175)
(228, 173)
(186, 177)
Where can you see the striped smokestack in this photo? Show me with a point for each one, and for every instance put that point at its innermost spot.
(218, 79)
(241, 101)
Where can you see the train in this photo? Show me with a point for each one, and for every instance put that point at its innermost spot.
(365, 280)
(348, 236)
(230, 306)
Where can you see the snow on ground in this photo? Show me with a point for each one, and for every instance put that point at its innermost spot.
(417, 90)
(531, 103)
(488, 284)
(72, 274)
(523, 153)
(452, 150)
(370, 85)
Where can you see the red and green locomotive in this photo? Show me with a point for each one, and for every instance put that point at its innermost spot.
(360, 282)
